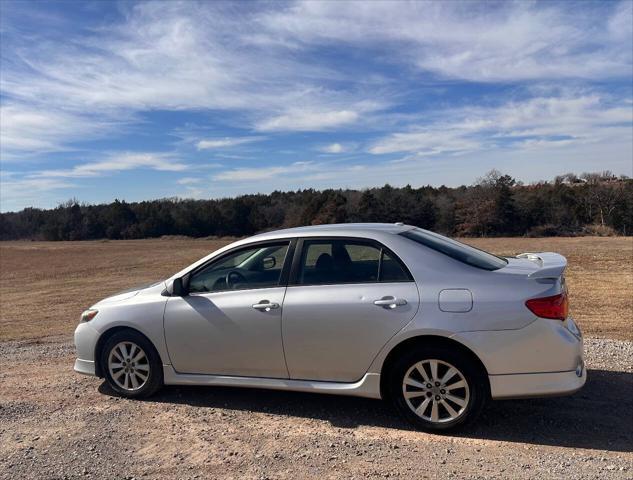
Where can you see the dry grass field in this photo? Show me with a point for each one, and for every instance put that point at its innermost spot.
(44, 286)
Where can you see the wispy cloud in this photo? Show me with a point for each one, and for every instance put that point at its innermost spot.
(541, 121)
(118, 163)
(183, 56)
(423, 87)
(304, 120)
(31, 129)
(263, 173)
(189, 180)
(336, 148)
(17, 191)
(511, 41)
(167, 56)
(218, 143)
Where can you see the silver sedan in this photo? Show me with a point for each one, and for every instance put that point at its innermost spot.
(375, 310)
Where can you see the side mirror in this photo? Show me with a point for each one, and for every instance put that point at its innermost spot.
(177, 288)
(269, 262)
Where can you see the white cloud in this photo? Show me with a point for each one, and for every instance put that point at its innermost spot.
(31, 129)
(543, 144)
(552, 121)
(336, 148)
(432, 141)
(508, 41)
(205, 56)
(305, 120)
(189, 180)
(117, 163)
(264, 172)
(209, 144)
(620, 24)
(16, 192)
(276, 68)
(167, 56)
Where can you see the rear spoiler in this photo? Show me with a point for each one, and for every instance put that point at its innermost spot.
(551, 265)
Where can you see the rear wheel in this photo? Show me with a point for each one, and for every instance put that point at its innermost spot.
(436, 388)
(131, 365)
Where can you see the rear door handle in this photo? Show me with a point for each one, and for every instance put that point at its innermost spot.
(390, 302)
(265, 306)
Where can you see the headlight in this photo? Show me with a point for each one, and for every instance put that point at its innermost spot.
(88, 315)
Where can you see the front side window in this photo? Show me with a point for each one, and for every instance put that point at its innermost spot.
(248, 268)
(326, 262)
(459, 251)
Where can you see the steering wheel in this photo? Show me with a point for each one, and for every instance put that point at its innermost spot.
(232, 277)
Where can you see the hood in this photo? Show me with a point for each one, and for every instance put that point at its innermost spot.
(126, 294)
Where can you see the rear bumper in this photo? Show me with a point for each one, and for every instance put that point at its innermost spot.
(543, 359)
(526, 385)
(543, 346)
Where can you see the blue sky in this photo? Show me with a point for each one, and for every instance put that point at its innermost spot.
(137, 101)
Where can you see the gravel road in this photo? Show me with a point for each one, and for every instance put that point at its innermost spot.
(57, 424)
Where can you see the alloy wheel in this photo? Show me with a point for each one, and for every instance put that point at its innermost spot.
(128, 366)
(436, 391)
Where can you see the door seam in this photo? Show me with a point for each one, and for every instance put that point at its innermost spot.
(281, 332)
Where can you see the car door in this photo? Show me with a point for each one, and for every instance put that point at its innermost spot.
(346, 298)
(229, 323)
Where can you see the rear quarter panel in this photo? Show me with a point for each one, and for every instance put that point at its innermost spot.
(496, 324)
(498, 296)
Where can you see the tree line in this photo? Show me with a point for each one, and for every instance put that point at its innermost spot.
(495, 205)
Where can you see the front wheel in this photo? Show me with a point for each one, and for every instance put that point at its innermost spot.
(437, 388)
(131, 365)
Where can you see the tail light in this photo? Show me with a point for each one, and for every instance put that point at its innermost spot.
(555, 307)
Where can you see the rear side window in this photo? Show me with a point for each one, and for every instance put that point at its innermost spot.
(327, 262)
(391, 269)
(459, 251)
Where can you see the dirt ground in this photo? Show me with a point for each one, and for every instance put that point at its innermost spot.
(57, 424)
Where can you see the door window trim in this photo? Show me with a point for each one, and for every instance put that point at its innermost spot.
(293, 280)
(285, 269)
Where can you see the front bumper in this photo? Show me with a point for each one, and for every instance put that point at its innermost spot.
(85, 367)
(85, 342)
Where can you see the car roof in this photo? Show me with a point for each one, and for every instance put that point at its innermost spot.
(336, 229)
(363, 230)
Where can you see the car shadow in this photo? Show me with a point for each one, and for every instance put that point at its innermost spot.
(597, 417)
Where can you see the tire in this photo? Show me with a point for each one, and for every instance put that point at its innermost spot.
(131, 365)
(445, 408)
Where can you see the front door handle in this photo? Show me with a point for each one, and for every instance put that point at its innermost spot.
(390, 302)
(265, 306)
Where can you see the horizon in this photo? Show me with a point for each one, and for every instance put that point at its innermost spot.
(518, 183)
(149, 100)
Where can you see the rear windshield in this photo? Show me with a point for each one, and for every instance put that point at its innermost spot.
(459, 251)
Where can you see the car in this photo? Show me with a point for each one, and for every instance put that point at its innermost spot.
(385, 311)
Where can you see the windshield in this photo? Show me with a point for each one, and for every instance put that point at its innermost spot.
(459, 251)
